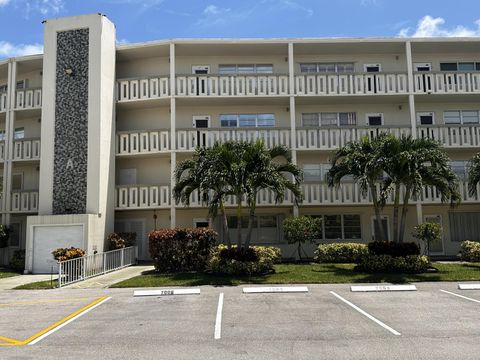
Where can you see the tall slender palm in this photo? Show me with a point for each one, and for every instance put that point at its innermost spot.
(413, 164)
(363, 161)
(473, 174)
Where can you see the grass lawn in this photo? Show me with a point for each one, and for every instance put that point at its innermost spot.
(306, 274)
(7, 273)
(39, 285)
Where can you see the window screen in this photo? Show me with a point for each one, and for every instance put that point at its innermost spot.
(333, 226)
(451, 117)
(464, 226)
(310, 119)
(448, 66)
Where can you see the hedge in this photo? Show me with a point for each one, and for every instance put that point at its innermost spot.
(121, 240)
(388, 263)
(470, 251)
(62, 254)
(340, 252)
(177, 250)
(393, 249)
(256, 260)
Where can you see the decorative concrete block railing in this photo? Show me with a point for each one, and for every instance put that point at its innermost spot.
(232, 85)
(335, 137)
(351, 84)
(24, 201)
(2, 151)
(28, 99)
(191, 138)
(451, 136)
(3, 101)
(143, 142)
(142, 89)
(431, 195)
(26, 149)
(447, 83)
(142, 196)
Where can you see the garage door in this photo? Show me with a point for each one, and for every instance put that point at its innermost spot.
(48, 238)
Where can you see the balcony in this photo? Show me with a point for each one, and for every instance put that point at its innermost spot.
(232, 85)
(25, 149)
(447, 83)
(143, 142)
(351, 84)
(188, 140)
(24, 201)
(335, 137)
(28, 99)
(3, 101)
(130, 197)
(452, 136)
(143, 89)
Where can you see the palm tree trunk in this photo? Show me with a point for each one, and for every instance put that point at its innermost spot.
(378, 215)
(226, 232)
(239, 222)
(396, 203)
(404, 215)
(251, 219)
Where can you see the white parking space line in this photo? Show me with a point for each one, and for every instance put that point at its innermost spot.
(385, 326)
(460, 296)
(166, 292)
(469, 286)
(377, 288)
(218, 320)
(275, 289)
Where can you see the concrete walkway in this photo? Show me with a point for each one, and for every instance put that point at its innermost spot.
(104, 281)
(14, 281)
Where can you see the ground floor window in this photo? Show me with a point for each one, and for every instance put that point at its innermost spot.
(340, 227)
(464, 226)
(266, 228)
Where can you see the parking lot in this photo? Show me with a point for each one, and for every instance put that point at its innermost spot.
(329, 322)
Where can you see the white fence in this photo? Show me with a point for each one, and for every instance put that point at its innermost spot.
(88, 266)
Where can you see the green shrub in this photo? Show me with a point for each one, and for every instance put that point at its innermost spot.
(340, 252)
(429, 233)
(256, 260)
(393, 249)
(388, 263)
(62, 254)
(177, 250)
(121, 240)
(470, 251)
(4, 236)
(299, 230)
(17, 262)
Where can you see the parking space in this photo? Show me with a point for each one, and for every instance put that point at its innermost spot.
(222, 322)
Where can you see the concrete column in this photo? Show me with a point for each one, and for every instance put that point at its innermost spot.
(411, 90)
(9, 130)
(173, 143)
(293, 129)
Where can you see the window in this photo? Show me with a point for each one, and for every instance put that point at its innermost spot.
(247, 120)
(335, 227)
(329, 119)
(460, 66)
(3, 88)
(422, 66)
(21, 84)
(460, 169)
(461, 117)
(425, 118)
(245, 69)
(326, 67)
(19, 133)
(372, 67)
(17, 181)
(264, 228)
(375, 119)
(14, 238)
(352, 227)
(2, 135)
(464, 225)
(312, 173)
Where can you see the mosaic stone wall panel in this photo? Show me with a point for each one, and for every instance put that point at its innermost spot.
(71, 123)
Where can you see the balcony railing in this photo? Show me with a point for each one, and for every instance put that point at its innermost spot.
(24, 201)
(143, 142)
(232, 85)
(351, 84)
(142, 89)
(28, 99)
(142, 196)
(335, 137)
(2, 151)
(444, 82)
(3, 101)
(452, 135)
(26, 149)
(191, 138)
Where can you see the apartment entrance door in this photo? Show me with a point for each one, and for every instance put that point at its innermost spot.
(201, 82)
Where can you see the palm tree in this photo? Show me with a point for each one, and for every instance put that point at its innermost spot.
(412, 164)
(473, 174)
(364, 161)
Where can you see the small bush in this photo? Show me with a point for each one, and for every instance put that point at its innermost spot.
(176, 250)
(340, 252)
(470, 251)
(429, 233)
(62, 254)
(121, 240)
(299, 230)
(17, 262)
(256, 260)
(393, 249)
(388, 263)
(4, 236)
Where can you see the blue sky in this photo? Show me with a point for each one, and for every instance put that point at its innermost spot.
(144, 20)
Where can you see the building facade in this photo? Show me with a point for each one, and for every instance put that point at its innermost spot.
(142, 108)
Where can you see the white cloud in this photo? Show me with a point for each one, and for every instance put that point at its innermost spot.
(122, 41)
(429, 26)
(11, 50)
(214, 10)
(4, 2)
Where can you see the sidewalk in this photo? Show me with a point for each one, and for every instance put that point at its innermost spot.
(106, 280)
(14, 281)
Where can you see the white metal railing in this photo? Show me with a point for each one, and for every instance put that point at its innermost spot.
(444, 82)
(142, 196)
(3, 101)
(351, 84)
(451, 135)
(142, 142)
(88, 266)
(28, 99)
(143, 88)
(232, 85)
(24, 201)
(191, 138)
(26, 149)
(335, 137)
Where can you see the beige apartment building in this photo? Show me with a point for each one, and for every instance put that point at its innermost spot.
(147, 106)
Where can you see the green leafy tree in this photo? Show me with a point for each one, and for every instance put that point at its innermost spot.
(301, 230)
(428, 232)
(473, 174)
